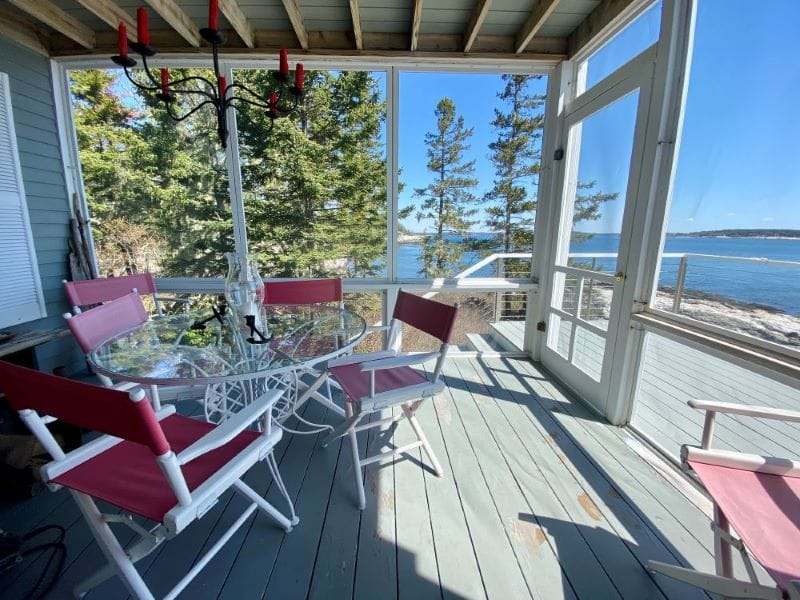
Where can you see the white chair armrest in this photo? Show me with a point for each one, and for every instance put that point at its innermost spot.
(226, 431)
(763, 412)
(125, 386)
(740, 460)
(400, 396)
(161, 298)
(362, 357)
(399, 361)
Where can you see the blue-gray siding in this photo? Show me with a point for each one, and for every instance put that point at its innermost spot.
(45, 188)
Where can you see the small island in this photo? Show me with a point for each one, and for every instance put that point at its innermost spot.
(762, 234)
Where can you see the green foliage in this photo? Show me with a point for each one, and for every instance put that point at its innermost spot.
(516, 156)
(316, 182)
(448, 201)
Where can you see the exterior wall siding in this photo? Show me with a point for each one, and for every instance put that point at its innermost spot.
(46, 193)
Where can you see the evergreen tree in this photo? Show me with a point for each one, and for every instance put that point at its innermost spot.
(315, 183)
(448, 201)
(516, 155)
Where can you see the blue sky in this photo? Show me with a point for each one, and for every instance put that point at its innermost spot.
(740, 157)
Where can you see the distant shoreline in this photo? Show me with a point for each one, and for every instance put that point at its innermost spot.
(742, 234)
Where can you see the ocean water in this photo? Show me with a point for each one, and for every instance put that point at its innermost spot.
(757, 283)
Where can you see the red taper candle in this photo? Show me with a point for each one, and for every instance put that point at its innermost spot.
(122, 40)
(298, 76)
(213, 14)
(284, 62)
(164, 81)
(273, 101)
(142, 31)
(223, 85)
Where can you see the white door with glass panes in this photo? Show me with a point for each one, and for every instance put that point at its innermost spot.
(603, 131)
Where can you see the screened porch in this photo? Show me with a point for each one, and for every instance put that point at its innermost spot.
(585, 179)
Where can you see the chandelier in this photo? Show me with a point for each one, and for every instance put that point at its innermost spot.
(281, 101)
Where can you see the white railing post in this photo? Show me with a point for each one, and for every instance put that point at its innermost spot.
(498, 296)
(679, 283)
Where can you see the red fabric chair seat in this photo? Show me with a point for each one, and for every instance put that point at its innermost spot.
(355, 382)
(764, 510)
(128, 477)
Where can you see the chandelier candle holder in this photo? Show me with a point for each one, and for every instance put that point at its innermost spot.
(281, 101)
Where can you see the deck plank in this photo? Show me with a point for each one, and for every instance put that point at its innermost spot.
(525, 450)
(498, 565)
(376, 561)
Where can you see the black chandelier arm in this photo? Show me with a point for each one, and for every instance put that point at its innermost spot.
(176, 117)
(232, 99)
(212, 85)
(139, 85)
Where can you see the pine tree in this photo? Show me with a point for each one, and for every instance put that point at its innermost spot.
(448, 201)
(516, 155)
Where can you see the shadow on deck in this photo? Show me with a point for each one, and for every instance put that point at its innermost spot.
(540, 499)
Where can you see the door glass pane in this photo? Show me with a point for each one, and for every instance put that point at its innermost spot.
(596, 199)
(596, 302)
(588, 352)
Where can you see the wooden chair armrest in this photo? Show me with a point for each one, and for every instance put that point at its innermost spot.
(226, 431)
(763, 412)
(399, 361)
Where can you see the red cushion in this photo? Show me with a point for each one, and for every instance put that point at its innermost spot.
(128, 476)
(355, 382)
(764, 510)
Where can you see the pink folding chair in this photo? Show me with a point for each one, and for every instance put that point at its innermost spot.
(90, 292)
(304, 291)
(374, 381)
(299, 292)
(96, 325)
(759, 496)
(162, 467)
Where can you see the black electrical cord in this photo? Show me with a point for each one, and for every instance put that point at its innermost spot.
(20, 548)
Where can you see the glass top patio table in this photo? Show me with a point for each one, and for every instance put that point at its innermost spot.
(167, 351)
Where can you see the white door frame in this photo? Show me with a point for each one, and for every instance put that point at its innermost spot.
(635, 75)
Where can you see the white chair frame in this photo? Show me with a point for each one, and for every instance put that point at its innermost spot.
(408, 398)
(723, 581)
(191, 506)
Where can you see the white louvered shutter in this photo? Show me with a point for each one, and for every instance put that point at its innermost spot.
(20, 288)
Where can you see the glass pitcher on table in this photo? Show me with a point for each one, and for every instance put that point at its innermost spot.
(244, 293)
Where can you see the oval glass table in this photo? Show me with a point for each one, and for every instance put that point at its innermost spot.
(190, 349)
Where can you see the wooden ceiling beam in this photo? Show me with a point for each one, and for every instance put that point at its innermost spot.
(16, 30)
(53, 16)
(415, 22)
(176, 18)
(239, 22)
(607, 14)
(356, 25)
(537, 18)
(474, 26)
(296, 18)
(111, 14)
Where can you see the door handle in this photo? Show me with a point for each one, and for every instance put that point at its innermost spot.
(619, 276)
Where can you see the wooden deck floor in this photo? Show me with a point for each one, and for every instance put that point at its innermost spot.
(540, 499)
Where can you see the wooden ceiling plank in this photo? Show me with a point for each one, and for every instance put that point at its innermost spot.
(239, 22)
(606, 14)
(474, 26)
(417, 19)
(540, 13)
(50, 14)
(176, 18)
(111, 14)
(296, 18)
(356, 24)
(18, 31)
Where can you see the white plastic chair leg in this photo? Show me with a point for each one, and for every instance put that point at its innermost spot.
(351, 432)
(437, 467)
(276, 477)
(246, 491)
(114, 553)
